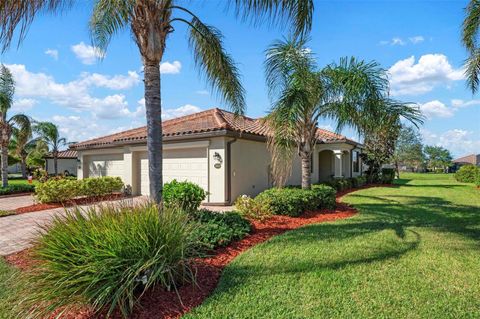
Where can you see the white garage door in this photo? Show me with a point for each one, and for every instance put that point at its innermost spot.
(182, 164)
(105, 165)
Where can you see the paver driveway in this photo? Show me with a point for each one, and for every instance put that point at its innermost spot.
(13, 202)
(17, 231)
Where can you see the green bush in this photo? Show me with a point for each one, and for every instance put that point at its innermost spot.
(340, 184)
(100, 186)
(59, 190)
(16, 189)
(252, 208)
(388, 175)
(467, 173)
(219, 229)
(294, 201)
(358, 181)
(107, 258)
(185, 195)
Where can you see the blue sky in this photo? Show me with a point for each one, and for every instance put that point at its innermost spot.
(60, 78)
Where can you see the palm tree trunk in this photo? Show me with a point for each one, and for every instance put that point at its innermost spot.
(397, 169)
(306, 166)
(4, 159)
(154, 128)
(24, 166)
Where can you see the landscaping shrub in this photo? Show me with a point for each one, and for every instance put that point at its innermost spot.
(340, 184)
(65, 189)
(358, 181)
(388, 175)
(219, 229)
(294, 201)
(57, 190)
(108, 258)
(184, 195)
(100, 186)
(253, 208)
(467, 173)
(16, 189)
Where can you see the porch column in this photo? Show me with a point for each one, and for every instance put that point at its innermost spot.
(80, 166)
(338, 163)
(128, 167)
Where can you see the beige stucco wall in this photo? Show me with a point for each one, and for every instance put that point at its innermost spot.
(63, 164)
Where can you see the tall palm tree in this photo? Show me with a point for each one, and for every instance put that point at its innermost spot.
(151, 22)
(49, 133)
(20, 121)
(470, 34)
(22, 144)
(302, 94)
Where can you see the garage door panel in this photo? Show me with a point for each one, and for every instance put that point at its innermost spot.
(183, 165)
(105, 165)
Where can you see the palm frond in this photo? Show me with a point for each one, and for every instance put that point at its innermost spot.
(217, 66)
(472, 70)
(471, 25)
(22, 123)
(18, 15)
(108, 18)
(7, 90)
(295, 14)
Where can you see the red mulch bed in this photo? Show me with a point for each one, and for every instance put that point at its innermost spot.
(70, 203)
(158, 303)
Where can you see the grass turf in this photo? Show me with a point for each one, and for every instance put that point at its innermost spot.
(412, 252)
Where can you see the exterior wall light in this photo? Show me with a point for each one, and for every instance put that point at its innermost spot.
(217, 160)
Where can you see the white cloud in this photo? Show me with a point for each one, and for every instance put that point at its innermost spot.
(202, 92)
(461, 103)
(53, 53)
(170, 68)
(436, 109)
(22, 105)
(116, 82)
(76, 94)
(170, 113)
(87, 54)
(460, 142)
(397, 41)
(401, 42)
(431, 70)
(416, 39)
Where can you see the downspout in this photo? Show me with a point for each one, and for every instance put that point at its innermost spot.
(228, 168)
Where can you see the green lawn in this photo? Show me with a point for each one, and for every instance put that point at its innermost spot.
(412, 252)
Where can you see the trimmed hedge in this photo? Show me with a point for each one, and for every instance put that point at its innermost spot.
(16, 189)
(252, 208)
(62, 190)
(184, 195)
(218, 229)
(341, 184)
(467, 174)
(294, 201)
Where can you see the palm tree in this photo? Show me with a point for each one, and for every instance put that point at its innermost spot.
(302, 94)
(470, 33)
(151, 22)
(49, 133)
(21, 145)
(7, 125)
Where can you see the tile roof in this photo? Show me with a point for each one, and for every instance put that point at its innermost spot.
(64, 154)
(469, 159)
(202, 122)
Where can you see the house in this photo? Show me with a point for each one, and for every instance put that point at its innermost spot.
(471, 159)
(225, 154)
(66, 162)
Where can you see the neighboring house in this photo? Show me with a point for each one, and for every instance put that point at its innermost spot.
(66, 163)
(224, 154)
(471, 159)
(15, 168)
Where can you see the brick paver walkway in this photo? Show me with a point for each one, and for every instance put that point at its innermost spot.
(17, 231)
(13, 202)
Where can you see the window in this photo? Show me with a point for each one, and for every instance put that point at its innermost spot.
(356, 162)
